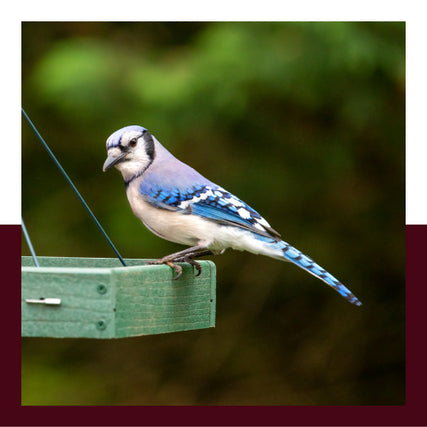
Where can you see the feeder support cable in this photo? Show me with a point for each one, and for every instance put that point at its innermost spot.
(73, 187)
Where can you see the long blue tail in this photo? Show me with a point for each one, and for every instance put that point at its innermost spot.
(297, 257)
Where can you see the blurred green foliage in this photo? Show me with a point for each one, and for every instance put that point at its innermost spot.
(305, 122)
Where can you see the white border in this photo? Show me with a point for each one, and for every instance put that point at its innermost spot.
(267, 10)
(10, 139)
(416, 121)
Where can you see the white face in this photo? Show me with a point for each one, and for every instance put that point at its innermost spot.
(136, 152)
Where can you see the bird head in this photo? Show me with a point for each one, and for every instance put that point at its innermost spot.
(130, 150)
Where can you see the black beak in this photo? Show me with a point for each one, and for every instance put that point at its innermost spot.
(113, 160)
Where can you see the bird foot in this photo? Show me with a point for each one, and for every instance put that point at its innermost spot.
(187, 255)
(194, 264)
(176, 267)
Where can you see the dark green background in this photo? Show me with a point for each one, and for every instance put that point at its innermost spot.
(303, 121)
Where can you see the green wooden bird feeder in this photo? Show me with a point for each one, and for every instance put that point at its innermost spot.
(99, 298)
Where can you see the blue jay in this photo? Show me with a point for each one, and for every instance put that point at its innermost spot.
(178, 204)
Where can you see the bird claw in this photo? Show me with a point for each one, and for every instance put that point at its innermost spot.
(176, 267)
(194, 264)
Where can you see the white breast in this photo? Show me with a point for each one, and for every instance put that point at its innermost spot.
(170, 225)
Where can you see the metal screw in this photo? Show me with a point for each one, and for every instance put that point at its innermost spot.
(101, 325)
(102, 289)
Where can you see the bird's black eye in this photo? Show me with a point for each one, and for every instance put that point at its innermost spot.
(133, 142)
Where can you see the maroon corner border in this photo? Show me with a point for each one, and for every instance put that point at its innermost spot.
(413, 413)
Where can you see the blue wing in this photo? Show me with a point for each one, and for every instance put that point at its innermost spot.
(212, 203)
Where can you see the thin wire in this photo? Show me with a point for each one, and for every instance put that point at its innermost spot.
(73, 187)
(30, 245)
